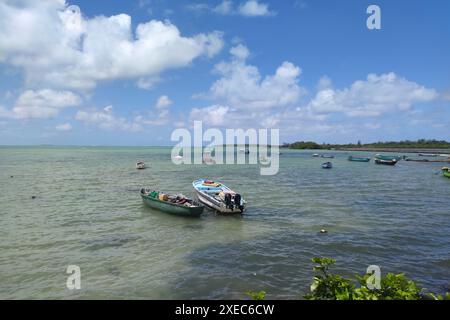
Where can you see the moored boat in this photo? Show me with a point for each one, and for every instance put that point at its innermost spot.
(358, 159)
(218, 196)
(327, 165)
(173, 204)
(391, 162)
(428, 155)
(327, 156)
(140, 165)
(446, 172)
(316, 155)
(382, 157)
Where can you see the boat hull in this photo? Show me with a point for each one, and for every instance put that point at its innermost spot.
(355, 159)
(446, 173)
(208, 195)
(172, 208)
(216, 205)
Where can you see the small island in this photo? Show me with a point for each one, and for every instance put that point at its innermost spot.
(406, 146)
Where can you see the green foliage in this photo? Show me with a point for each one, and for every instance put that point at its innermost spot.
(393, 287)
(421, 143)
(305, 145)
(438, 297)
(329, 286)
(256, 295)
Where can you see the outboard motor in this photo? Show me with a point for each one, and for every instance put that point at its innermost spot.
(228, 202)
(237, 202)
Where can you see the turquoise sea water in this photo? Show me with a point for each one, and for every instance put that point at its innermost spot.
(88, 212)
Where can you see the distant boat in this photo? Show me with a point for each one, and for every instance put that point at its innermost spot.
(173, 204)
(140, 165)
(329, 156)
(264, 160)
(208, 160)
(246, 151)
(446, 172)
(417, 160)
(327, 165)
(428, 155)
(391, 162)
(381, 157)
(218, 196)
(358, 159)
(316, 155)
(177, 157)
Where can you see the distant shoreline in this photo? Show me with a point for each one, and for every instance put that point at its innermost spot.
(399, 150)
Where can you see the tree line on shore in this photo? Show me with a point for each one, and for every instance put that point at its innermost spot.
(421, 143)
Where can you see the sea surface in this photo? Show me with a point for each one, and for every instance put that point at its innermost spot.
(87, 212)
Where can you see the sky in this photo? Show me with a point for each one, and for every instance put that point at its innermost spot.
(131, 72)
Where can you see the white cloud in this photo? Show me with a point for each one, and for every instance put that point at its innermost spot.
(225, 7)
(160, 115)
(250, 8)
(375, 96)
(41, 104)
(215, 115)
(108, 108)
(240, 52)
(163, 102)
(64, 127)
(105, 119)
(253, 8)
(244, 98)
(148, 83)
(56, 45)
(242, 87)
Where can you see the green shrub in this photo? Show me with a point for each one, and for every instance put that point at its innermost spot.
(260, 295)
(328, 286)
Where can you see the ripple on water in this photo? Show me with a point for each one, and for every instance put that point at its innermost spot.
(88, 212)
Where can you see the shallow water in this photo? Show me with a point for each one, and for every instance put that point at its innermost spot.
(88, 212)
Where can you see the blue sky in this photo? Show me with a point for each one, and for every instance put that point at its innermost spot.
(130, 72)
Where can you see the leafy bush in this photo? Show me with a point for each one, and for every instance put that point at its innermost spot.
(260, 295)
(329, 286)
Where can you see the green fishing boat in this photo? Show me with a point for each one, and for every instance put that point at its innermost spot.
(173, 204)
(446, 172)
(358, 159)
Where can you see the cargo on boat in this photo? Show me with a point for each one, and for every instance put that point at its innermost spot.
(173, 204)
